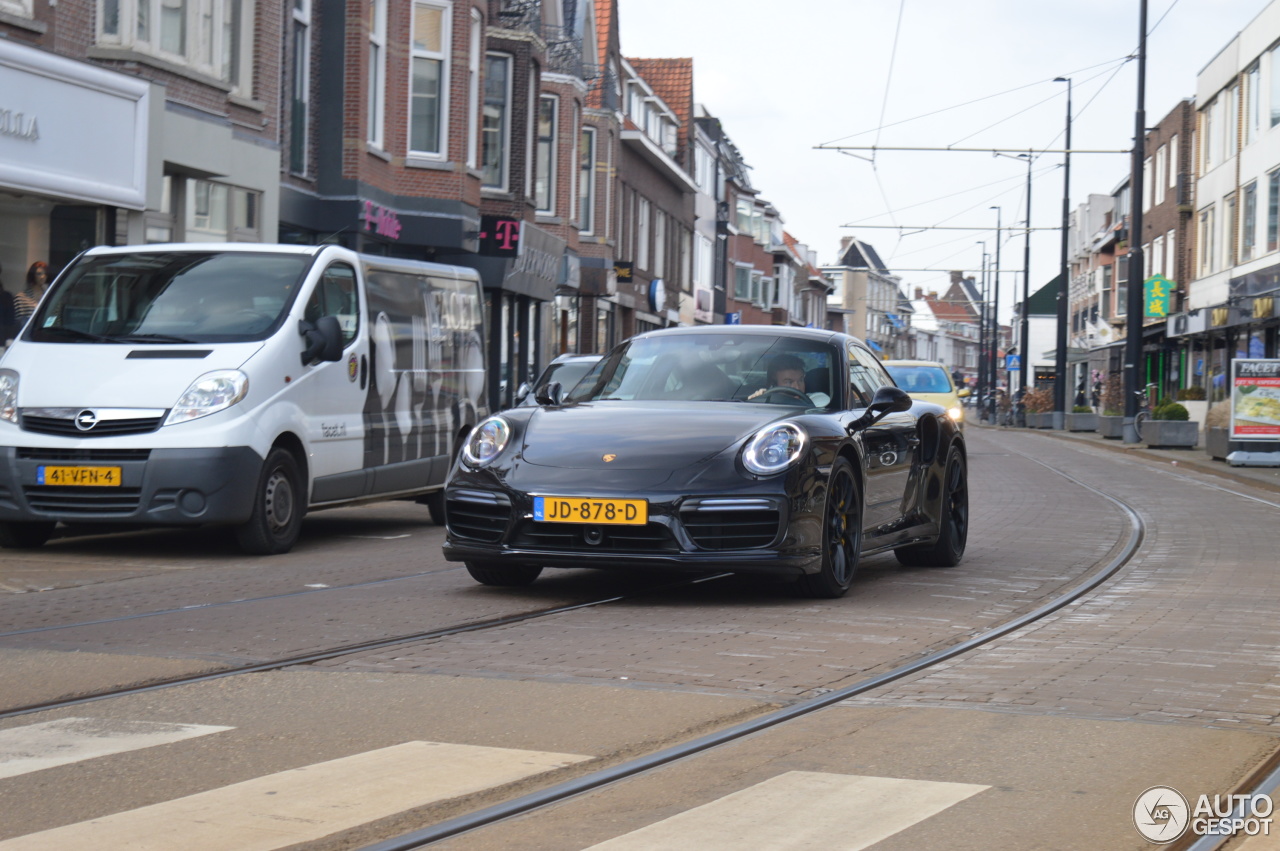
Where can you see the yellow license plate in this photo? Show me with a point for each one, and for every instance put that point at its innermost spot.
(572, 509)
(99, 477)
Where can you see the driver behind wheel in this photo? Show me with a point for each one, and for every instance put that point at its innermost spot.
(784, 371)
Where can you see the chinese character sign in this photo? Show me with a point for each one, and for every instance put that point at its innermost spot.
(1155, 296)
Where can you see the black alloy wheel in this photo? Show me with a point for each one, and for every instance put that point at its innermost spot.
(841, 536)
(953, 521)
(278, 506)
(505, 576)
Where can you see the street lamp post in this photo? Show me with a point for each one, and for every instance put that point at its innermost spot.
(1134, 307)
(1024, 350)
(995, 318)
(1060, 355)
(982, 335)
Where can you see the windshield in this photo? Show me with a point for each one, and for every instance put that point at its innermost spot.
(715, 368)
(170, 297)
(920, 379)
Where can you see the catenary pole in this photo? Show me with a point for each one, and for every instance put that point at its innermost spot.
(1024, 350)
(1134, 308)
(1060, 353)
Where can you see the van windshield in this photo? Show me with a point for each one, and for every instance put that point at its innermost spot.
(170, 297)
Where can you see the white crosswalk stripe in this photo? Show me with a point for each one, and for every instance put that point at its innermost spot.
(801, 810)
(36, 747)
(302, 804)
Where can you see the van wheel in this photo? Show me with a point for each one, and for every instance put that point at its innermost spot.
(25, 536)
(278, 506)
(508, 576)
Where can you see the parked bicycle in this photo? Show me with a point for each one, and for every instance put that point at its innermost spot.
(1146, 404)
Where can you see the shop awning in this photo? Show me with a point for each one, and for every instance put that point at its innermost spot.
(875, 347)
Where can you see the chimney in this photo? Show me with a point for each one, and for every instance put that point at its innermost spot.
(845, 242)
(919, 293)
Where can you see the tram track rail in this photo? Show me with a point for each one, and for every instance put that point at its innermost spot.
(551, 795)
(334, 652)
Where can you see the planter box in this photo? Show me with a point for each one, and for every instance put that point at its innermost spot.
(1218, 447)
(1170, 433)
(1111, 428)
(1040, 420)
(1081, 422)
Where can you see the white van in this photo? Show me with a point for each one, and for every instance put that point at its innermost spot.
(236, 384)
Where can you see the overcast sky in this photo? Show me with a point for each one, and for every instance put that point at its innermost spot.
(787, 77)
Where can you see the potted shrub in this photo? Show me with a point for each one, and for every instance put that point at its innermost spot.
(1039, 405)
(1082, 418)
(1111, 420)
(1170, 426)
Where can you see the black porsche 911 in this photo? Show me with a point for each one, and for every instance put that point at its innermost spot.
(738, 448)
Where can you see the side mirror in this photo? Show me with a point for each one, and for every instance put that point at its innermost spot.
(888, 400)
(322, 341)
(550, 394)
(522, 392)
(964, 393)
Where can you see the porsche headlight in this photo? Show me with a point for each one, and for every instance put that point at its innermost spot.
(8, 395)
(208, 394)
(956, 413)
(486, 441)
(774, 449)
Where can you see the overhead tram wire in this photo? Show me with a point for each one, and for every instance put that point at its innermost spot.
(828, 145)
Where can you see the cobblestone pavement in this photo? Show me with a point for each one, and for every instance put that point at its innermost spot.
(1188, 632)
(1033, 533)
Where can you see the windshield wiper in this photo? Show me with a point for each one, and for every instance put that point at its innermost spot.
(80, 335)
(155, 338)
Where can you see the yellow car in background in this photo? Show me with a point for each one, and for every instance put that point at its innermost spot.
(929, 381)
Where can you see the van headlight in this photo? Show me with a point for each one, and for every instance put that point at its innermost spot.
(8, 395)
(774, 449)
(956, 413)
(208, 394)
(486, 441)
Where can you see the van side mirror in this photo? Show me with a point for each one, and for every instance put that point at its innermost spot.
(964, 393)
(322, 340)
(551, 394)
(888, 400)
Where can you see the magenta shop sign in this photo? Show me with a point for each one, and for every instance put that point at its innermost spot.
(380, 220)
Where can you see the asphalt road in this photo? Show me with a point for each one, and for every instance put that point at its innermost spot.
(1167, 675)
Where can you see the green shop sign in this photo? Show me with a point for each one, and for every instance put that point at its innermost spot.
(1156, 291)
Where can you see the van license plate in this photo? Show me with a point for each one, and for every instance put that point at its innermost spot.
(572, 509)
(100, 477)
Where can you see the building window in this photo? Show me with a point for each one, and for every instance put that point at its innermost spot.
(1173, 165)
(299, 114)
(495, 134)
(659, 244)
(1171, 253)
(377, 91)
(428, 74)
(474, 58)
(1106, 291)
(1275, 85)
(1273, 210)
(213, 37)
(1159, 182)
(544, 181)
(587, 181)
(703, 263)
(1230, 124)
(21, 8)
(1122, 285)
(1253, 104)
(1205, 244)
(1249, 222)
(1155, 265)
(1228, 224)
(742, 283)
(643, 213)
